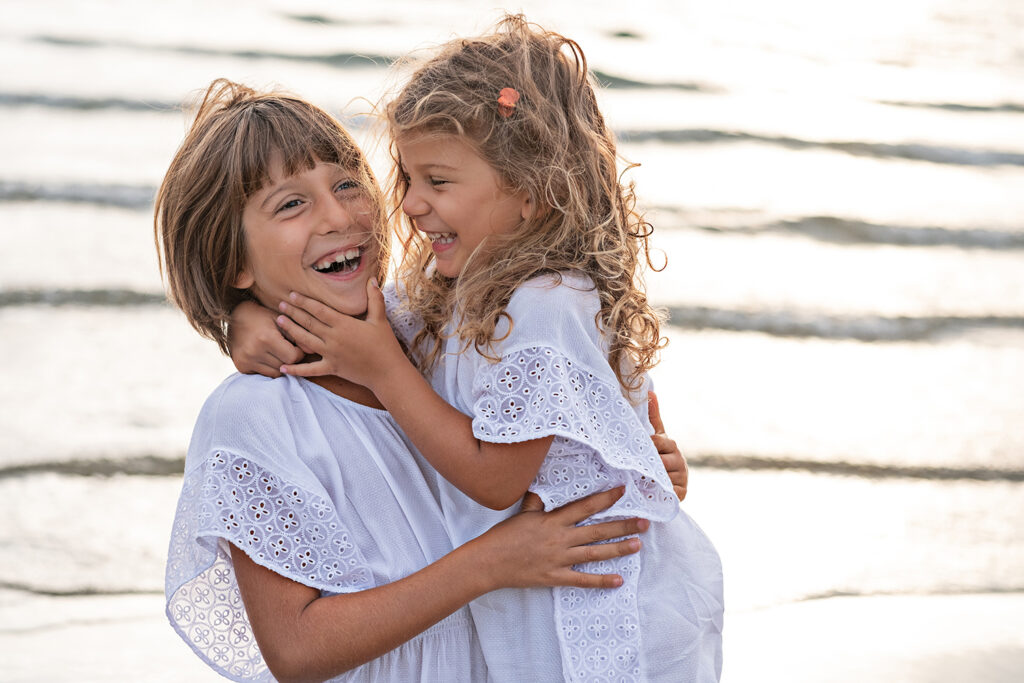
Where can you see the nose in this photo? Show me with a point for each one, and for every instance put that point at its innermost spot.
(413, 203)
(335, 215)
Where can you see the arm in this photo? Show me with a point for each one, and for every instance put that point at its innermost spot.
(257, 344)
(366, 352)
(305, 637)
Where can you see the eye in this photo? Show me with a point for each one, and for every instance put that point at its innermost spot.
(437, 181)
(290, 204)
(346, 185)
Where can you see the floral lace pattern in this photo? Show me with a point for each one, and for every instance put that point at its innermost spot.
(230, 499)
(600, 443)
(537, 391)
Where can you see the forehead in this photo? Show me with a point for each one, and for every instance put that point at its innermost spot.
(436, 149)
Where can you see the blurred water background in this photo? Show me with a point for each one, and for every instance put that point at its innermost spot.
(839, 190)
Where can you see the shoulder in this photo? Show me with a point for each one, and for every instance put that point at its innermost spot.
(252, 416)
(554, 310)
(555, 299)
(568, 288)
(241, 395)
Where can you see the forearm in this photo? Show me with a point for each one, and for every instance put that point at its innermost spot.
(304, 637)
(495, 475)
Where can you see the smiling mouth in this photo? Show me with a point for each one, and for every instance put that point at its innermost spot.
(342, 262)
(441, 237)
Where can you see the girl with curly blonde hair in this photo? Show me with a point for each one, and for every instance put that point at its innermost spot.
(519, 299)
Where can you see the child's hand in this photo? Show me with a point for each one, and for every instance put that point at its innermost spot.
(361, 351)
(537, 548)
(675, 463)
(257, 345)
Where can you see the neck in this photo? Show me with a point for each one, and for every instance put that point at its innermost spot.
(356, 393)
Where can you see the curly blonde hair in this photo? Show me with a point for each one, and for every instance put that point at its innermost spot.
(224, 160)
(555, 147)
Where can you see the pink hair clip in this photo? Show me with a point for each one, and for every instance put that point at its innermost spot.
(507, 99)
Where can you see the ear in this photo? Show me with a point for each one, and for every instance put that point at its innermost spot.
(527, 208)
(245, 279)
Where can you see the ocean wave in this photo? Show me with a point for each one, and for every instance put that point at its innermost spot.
(854, 469)
(782, 323)
(9, 99)
(1001, 108)
(839, 230)
(155, 466)
(608, 80)
(139, 465)
(347, 60)
(103, 194)
(936, 154)
(79, 297)
(75, 592)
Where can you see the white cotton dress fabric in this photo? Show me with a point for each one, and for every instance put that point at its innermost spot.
(553, 378)
(321, 490)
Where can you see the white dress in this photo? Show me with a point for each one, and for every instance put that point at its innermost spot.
(321, 490)
(553, 378)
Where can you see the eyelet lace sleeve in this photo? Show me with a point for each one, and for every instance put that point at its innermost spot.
(537, 391)
(230, 499)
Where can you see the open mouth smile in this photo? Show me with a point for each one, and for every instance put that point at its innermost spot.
(344, 261)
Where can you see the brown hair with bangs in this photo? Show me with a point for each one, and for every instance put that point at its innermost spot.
(224, 160)
(554, 145)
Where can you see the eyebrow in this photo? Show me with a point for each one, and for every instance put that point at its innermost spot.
(432, 166)
(283, 187)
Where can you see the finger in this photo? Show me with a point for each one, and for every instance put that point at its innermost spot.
(375, 307)
(532, 503)
(654, 413)
(314, 307)
(605, 551)
(678, 472)
(271, 370)
(303, 318)
(606, 531)
(282, 350)
(305, 339)
(317, 368)
(664, 444)
(569, 577)
(579, 510)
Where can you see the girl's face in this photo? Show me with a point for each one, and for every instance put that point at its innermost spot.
(455, 197)
(312, 233)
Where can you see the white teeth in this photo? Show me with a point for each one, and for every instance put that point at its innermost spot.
(442, 237)
(343, 257)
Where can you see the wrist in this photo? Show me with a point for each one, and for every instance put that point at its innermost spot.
(398, 375)
(482, 575)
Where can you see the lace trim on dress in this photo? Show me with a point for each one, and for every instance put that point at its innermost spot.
(600, 443)
(537, 391)
(230, 499)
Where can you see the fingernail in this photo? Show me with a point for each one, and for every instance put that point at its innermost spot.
(281, 319)
(284, 370)
(282, 306)
(616, 581)
(634, 544)
(293, 296)
(643, 524)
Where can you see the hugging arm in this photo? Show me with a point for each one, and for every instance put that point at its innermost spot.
(368, 353)
(305, 637)
(258, 345)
